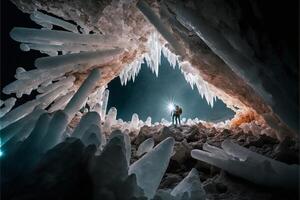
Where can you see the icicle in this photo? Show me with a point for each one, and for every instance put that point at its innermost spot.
(104, 104)
(8, 104)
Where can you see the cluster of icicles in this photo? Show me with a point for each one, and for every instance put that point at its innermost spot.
(71, 51)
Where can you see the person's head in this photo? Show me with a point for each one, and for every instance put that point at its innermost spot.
(177, 107)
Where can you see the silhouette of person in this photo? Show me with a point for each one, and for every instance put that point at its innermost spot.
(176, 115)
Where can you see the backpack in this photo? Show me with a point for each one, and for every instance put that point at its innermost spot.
(180, 111)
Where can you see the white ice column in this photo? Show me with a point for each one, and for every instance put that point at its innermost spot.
(104, 104)
(86, 121)
(82, 93)
(39, 17)
(134, 122)
(92, 58)
(55, 130)
(11, 130)
(31, 35)
(8, 104)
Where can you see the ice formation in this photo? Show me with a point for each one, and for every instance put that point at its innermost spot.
(104, 103)
(110, 119)
(191, 185)
(90, 118)
(150, 169)
(145, 146)
(41, 18)
(134, 124)
(240, 161)
(81, 95)
(6, 105)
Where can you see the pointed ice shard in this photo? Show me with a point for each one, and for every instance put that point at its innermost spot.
(148, 121)
(145, 146)
(110, 120)
(43, 18)
(82, 93)
(92, 58)
(151, 167)
(191, 185)
(104, 104)
(56, 128)
(91, 118)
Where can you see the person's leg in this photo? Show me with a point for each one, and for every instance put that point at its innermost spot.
(176, 118)
(173, 116)
(179, 119)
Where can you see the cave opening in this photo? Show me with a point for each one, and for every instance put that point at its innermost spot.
(149, 95)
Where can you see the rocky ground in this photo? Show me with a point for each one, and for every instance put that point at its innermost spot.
(72, 171)
(217, 183)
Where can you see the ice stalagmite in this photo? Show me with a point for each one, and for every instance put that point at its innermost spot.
(92, 136)
(82, 93)
(145, 146)
(191, 185)
(91, 118)
(110, 119)
(134, 122)
(104, 104)
(150, 169)
(127, 142)
(56, 128)
(43, 18)
(8, 104)
(148, 121)
(92, 58)
(240, 161)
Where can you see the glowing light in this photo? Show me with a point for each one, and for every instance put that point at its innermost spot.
(171, 106)
(1, 153)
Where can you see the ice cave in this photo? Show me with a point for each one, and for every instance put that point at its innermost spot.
(87, 88)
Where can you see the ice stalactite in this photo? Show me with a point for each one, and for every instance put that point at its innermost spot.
(145, 146)
(6, 105)
(131, 71)
(159, 25)
(82, 93)
(240, 161)
(94, 100)
(153, 58)
(41, 18)
(150, 169)
(241, 64)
